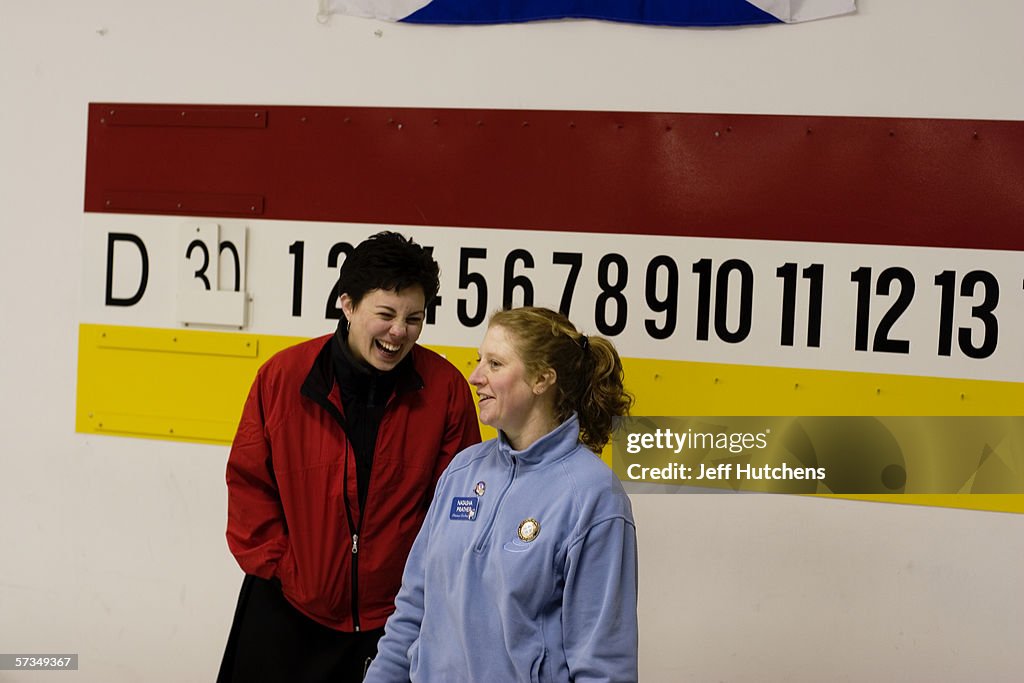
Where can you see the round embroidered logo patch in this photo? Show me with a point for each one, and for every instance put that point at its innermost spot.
(529, 529)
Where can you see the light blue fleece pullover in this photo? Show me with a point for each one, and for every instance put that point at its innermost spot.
(479, 604)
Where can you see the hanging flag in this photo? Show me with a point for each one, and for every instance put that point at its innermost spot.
(661, 12)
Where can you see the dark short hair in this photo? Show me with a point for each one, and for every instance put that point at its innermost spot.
(388, 261)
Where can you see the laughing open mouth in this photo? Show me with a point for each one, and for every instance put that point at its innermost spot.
(387, 349)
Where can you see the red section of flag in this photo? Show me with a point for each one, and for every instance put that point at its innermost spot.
(925, 182)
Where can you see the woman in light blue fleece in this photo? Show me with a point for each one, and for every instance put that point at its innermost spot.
(525, 568)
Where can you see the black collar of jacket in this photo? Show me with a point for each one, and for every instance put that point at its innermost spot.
(336, 360)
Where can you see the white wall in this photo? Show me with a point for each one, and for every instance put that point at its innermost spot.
(113, 548)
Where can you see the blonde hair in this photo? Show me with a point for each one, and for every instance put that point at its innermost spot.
(589, 371)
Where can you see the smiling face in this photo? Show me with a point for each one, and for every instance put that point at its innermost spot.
(510, 400)
(384, 325)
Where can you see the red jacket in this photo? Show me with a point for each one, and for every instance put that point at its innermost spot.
(286, 507)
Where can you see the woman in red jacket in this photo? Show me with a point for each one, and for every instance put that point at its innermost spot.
(341, 442)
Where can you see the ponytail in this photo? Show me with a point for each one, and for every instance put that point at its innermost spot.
(604, 397)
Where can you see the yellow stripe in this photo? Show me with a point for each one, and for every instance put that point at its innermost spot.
(184, 385)
(175, 341)
(680, 388)
(991, 502)
(189, 385)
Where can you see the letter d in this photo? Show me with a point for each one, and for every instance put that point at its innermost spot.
(111, 300)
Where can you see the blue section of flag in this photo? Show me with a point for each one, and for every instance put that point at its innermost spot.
(663, 12)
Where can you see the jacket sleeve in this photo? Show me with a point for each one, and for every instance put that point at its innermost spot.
(256, 532)
(599, 625)
(462, 428)
(392, 663)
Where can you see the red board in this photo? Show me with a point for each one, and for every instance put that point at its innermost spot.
(926, 182)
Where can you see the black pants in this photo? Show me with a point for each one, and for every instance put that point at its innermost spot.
(271, 642)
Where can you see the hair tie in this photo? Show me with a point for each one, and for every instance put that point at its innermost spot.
(584, 342)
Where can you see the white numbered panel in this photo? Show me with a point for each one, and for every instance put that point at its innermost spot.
(902, 310)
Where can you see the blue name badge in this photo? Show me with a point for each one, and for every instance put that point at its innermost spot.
(464, 508)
